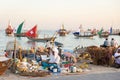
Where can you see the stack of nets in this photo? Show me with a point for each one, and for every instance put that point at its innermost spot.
(101, 56)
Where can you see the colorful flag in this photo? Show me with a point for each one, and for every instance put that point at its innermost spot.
(111, 30)
(32, 32)
(20, 28)
(100, 32)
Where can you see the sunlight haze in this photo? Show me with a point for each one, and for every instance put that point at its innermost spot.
(51, 14)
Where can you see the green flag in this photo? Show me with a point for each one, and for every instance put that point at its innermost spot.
(20, 28)
(100, 32)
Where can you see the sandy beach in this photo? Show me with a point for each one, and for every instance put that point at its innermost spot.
(93, 69)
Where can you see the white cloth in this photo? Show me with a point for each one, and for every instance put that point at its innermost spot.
(55, 50)
(55, 58)
(117, 60)
(116, 54)
(48, 44)
(117, 50)
(3, 59)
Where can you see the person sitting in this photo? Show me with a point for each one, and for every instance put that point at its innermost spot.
(114, 43)
(54, 60)
(106, 43)
(117, 57)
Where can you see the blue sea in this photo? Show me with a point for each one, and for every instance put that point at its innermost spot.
(69, 41)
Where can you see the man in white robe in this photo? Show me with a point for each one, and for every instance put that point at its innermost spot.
(54, 60)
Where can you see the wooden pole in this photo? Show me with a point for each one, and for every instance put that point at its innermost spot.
(20, 54)
(13, 67)
(15, 49)
(53, 37)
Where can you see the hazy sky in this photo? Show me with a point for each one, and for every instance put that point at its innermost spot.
(51, 14)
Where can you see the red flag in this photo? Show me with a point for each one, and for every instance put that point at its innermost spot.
(32, 32)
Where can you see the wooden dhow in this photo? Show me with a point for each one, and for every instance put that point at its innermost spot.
(4, 64)
(32, 35)
(63, 31)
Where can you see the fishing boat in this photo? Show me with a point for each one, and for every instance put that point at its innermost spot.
(4, 64)
(9, 30)
(41, 39)
(19, 33)
(32, 35)
(103, 33)
(83, 34)
(62, 31)
(114, 31)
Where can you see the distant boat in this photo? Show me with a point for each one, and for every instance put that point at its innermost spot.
(62, 31)
(32, 35)
(41, 39)
(9, 30)
(94, 32)
(102, 33)
(19, 29)
(83, 34)
(114, 31)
